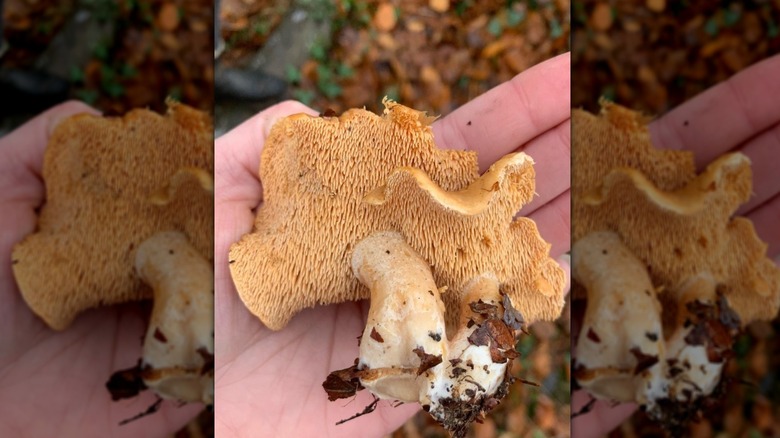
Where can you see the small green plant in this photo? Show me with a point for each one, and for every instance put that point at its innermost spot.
(711, 27)
(292, 74)
(462, 6)
(88, 96)
(495, 27)
(76, 75)
(514, 17)
(555, 28)
(175, 93)
(731, 17)
(304, 96)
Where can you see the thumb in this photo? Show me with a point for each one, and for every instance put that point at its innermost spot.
(22, 149)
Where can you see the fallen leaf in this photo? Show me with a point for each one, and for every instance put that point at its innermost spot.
(429, 75)
(656, 5)
(601, 18)
(415, 25)
(439, 5)
(342, 383)
(427, 361)
(385, 18)
(494, 48)
(168, 17)
(485, 430)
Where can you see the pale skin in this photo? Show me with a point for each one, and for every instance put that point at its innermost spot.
(53, 383)
(739, 115)
(270, 383)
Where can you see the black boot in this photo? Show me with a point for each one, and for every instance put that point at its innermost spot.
(31, 91)
(245, 85)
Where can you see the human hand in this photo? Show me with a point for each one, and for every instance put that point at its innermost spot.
(270, 383)
(53, 383)
(739, 115)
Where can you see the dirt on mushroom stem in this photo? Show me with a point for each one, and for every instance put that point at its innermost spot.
(456, 380)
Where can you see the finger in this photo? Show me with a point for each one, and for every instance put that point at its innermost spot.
(554, 223)
(21, 188)
(22, 149)
(237, 154)
(237, 188)
(766, 220)
(725, 115)
(601, 419)
(763, 152)
(551, 152)
(499, 121)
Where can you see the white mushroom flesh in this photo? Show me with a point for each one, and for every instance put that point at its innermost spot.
(622, 353)
(692, 374)
(406, 323)
(622, 323)
(178, 348)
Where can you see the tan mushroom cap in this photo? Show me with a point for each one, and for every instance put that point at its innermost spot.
(316, 173)
(676, 222)
(110, 184)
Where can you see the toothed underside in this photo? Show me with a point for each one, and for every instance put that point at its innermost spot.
(316, 172)
(107, 190)
(676, 222)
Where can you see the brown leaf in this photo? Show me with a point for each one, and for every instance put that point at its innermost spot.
(512, 317)
(208, 360)
(601, 18)
(485, 430)
(643, 361)
(439, 5)
(427, 361)
(494, 48)
(126, 383)
(168, 17)
(159, 335)
(385, 19)
(656, 5)
(498, 336)
(376, 336)
(485, 309)
(342, 383)
(593, 336)
(480, 336)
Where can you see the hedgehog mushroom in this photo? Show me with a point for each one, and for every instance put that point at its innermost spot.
(656, 247)
(390, 217)
(129, 216)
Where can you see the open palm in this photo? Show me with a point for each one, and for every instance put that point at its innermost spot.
(739, 115)
(53, 383)
(270, 383)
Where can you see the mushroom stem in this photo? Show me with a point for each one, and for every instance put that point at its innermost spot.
(178, 349)
(472, 381)
(620, 345)
(405, 353)
(693, 372)
(622, 354)
(406, 314)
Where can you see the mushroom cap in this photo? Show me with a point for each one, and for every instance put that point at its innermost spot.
(110, 184)
(679, 224)
(330, 182)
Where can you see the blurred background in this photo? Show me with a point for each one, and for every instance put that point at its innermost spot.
(652, 55)
(432, 55)
(115, 55)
